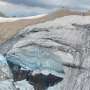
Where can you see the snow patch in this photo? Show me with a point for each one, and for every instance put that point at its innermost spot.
(23, 85)
(2, 60)
(3, 19)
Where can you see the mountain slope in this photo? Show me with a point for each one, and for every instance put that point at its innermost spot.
(9, 29)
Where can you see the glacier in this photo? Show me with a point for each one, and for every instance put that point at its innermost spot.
(40, 62)
(58, 49)
(6, 78)
(36, 59)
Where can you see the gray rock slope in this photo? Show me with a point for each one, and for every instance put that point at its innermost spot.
(67, 39)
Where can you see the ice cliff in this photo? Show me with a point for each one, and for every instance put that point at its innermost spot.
(58, 49)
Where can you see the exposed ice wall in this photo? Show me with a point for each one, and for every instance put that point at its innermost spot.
(6, 79)
(37, 59)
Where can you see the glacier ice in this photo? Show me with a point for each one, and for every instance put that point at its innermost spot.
(5, 72)
(2, 60)
(42, 62)
(23, 85)
(39, 51)
(6, 85)
(20, 85)
(37, 59)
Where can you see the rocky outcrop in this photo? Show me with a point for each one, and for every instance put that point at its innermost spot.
(60, 47)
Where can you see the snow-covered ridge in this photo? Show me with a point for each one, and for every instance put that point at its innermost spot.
(3, 19)
(66, 21)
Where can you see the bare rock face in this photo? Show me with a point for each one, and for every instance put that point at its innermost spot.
(60, 47)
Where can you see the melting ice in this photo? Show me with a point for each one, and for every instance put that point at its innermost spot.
(42, 62)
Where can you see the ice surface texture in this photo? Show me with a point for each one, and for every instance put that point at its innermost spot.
(45, 46)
